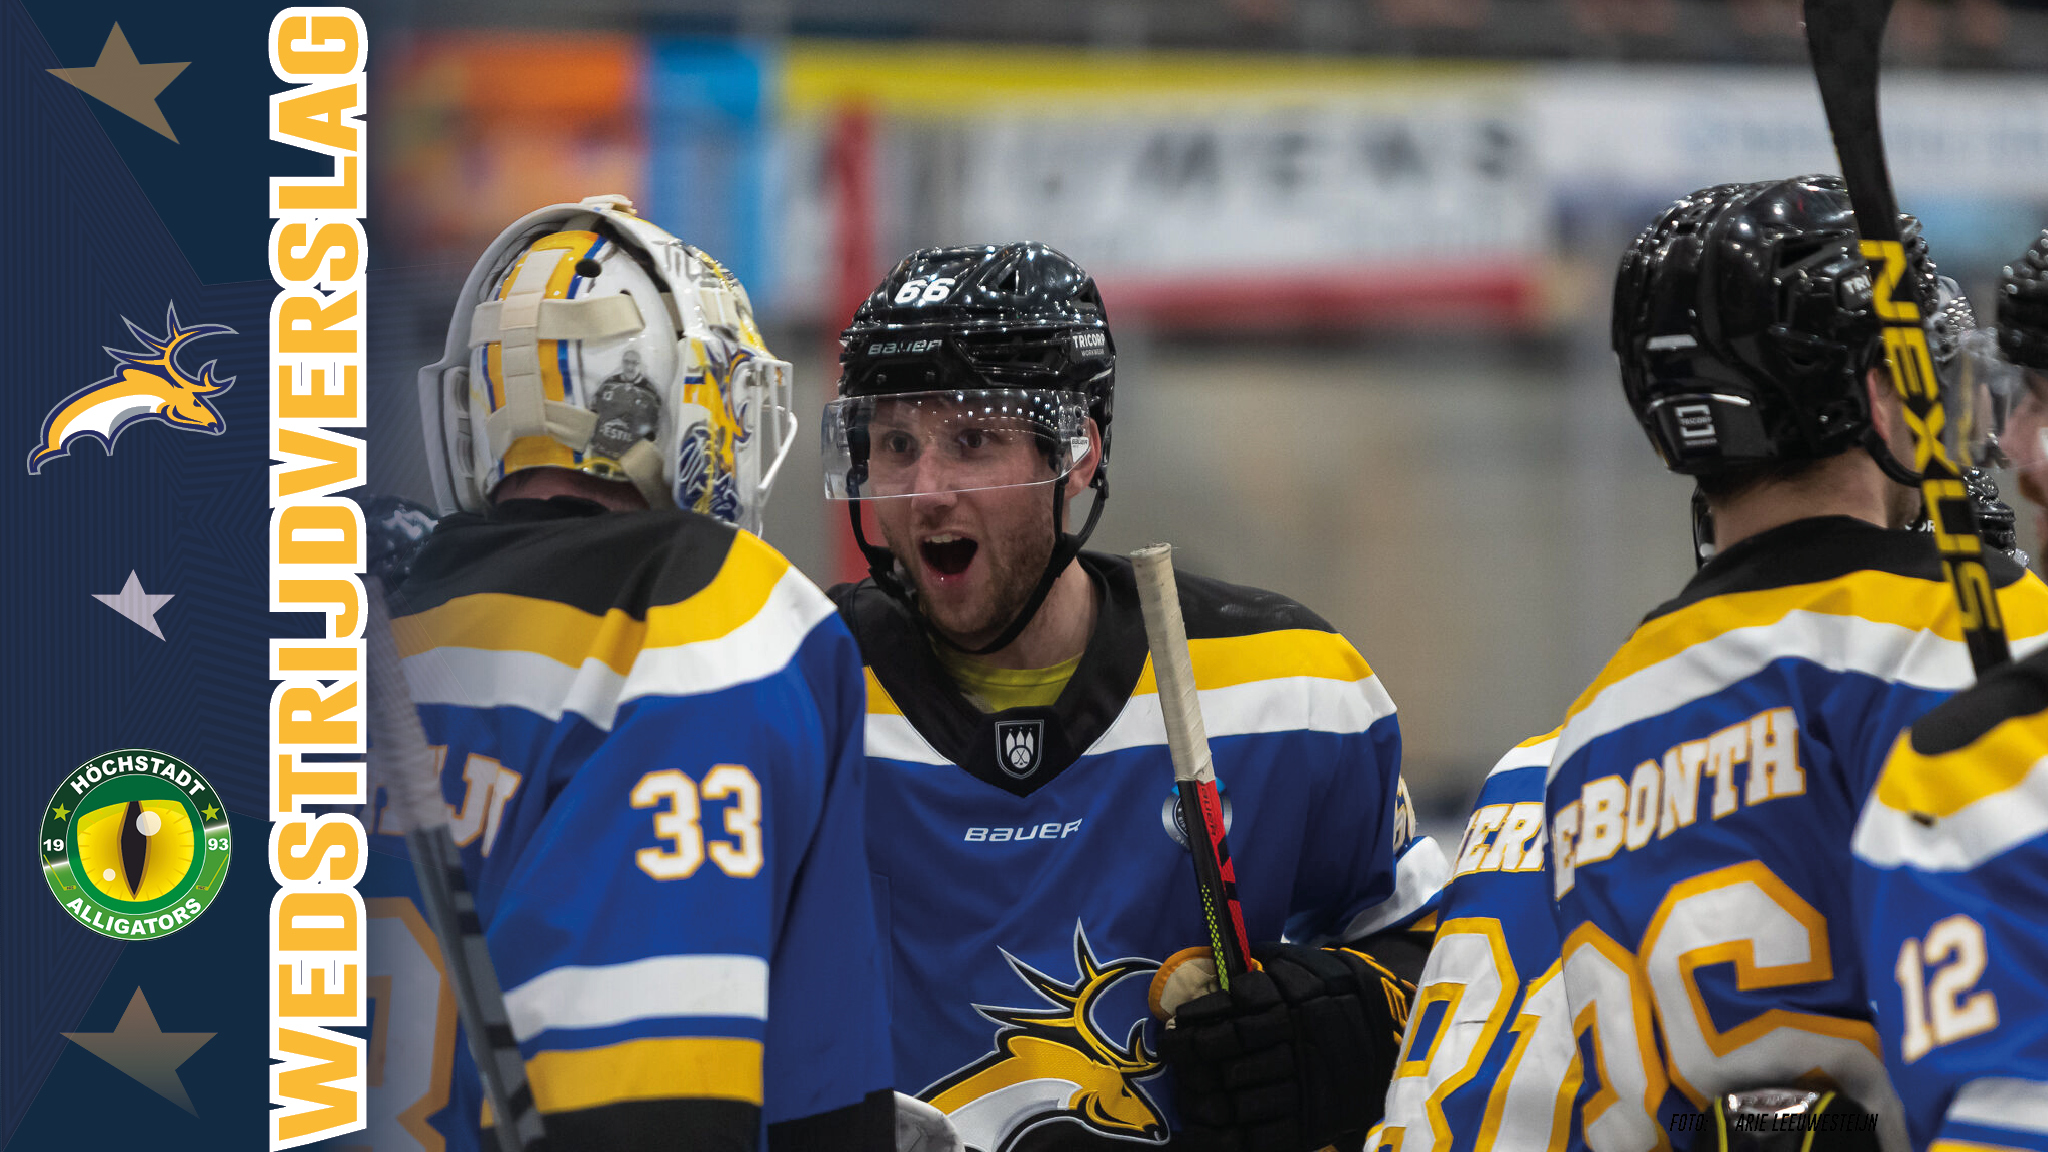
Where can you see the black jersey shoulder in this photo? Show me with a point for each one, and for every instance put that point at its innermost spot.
(572, 552)
(2015, 690)
(1819, 549)
(898, 650)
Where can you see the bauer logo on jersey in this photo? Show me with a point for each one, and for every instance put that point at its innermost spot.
(145, 386)
(1020, 746)
(1055, 1065)
(135, 844)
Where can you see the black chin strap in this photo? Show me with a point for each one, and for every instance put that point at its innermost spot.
(882, 566)
(1702, 529)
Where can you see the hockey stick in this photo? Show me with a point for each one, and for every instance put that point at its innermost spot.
(406, 768)
(1845, 38)
(1194, 775)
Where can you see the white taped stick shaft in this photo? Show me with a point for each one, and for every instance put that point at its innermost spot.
(1167, 635)
(399, 758)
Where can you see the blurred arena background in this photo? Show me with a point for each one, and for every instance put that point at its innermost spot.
(1357, 254)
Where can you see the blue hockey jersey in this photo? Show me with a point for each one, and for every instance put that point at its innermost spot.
(1488, 1060)
(648, 732)
(1030, 872)
(1701, 802)
(1952, 893)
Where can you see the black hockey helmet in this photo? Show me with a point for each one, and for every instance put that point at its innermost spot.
(1744, 324)
(2005, 367)
(2023, 308)
(1017, 328)
(981, 316)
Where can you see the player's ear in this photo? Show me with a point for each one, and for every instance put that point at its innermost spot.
(1084, 472)
(1887, 411)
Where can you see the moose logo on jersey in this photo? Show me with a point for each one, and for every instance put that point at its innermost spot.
(146, 386)
(1055, 1065)
(1017, 745)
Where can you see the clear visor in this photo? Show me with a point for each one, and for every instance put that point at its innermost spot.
(965, 440)
(766, 399)
(1986, 392)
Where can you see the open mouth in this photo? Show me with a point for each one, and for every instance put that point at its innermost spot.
(947, 554)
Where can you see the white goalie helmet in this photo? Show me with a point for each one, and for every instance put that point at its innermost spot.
(589, 339)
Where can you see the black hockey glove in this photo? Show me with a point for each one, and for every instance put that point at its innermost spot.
(1294, 1057)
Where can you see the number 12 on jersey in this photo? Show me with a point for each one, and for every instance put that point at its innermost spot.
(1937, 1011)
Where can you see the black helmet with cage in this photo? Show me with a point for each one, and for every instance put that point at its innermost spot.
(957, 346)
(1744, 322)
(2023, 307)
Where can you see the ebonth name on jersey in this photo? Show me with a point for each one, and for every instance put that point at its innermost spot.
(1663, 796)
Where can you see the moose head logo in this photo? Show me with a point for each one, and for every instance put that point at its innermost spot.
(1054, 1065)
(147, 386)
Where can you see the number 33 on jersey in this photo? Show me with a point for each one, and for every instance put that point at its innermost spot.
(652, 764)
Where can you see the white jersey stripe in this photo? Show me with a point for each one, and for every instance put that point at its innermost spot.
(488, 678)
(2003, 1102)
(658, 987)
(1292, 704)
(1979, 831)
(1420, 873)
(892, 737)
(1289, 704)
(1526, 756)
(1839, 643)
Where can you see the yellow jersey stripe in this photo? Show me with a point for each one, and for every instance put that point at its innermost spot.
(1944, 784)
(880, 703)
(660, 1068)
(502, 622)
(1878, 597)
(1533, 741)
(1227, 661)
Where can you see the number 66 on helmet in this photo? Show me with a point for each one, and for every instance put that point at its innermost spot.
(589, 339)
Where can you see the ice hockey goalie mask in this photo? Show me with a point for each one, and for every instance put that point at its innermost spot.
(589, 339)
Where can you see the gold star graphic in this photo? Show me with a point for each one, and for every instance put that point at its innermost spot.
(60, 812)
(209, 812)
(142, 1050)
(125, 84)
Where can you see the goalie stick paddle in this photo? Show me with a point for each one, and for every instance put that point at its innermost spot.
(1194, 775)
(1845, 38)
(401, 761)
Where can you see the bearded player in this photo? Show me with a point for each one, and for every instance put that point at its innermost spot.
(1028, 867)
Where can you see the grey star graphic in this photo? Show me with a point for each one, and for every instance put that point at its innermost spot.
(143, 1050)
(131, 601)
(125, 84)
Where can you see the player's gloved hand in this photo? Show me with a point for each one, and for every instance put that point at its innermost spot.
(1294, 1057)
